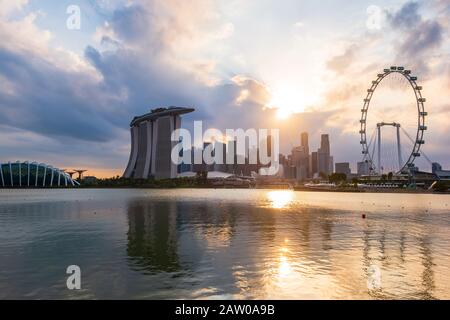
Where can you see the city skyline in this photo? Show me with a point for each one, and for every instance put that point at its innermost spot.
(67, 96)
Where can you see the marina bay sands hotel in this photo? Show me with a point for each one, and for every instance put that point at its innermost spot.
(151, 144)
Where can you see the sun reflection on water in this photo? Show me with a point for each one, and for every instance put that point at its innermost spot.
(280, 199)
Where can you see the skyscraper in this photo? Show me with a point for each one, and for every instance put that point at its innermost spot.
(314, 164)
(331, 165)
(323, 155)
(343, 167)
(300, 160)
(305, 145)
(325, 143)
(232, 157)
(305, 141)
(222, 167)
(363, 168)
(151, 144)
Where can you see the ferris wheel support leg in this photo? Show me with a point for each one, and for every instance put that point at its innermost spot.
(399, 149)
(379, 150)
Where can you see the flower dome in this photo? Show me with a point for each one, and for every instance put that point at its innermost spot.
(33, 174)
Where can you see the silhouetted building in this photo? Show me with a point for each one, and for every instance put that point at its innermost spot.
(151, 144)
(314, 164)
(331, 165)
(343, 167)
(305, 141)
(325, 143)
(363, 168)
(305, 144)
(300, 160)
(323, 156)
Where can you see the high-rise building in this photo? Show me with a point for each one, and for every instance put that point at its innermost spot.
(343, 167)
(323, 162)
(151, 144)
(300, 160)
(222, 167)
(331, 165)
(232, 157)
(314, 164)
(325, 143)
(305, 141)
(209, 150)
(323, 156)
(363, 168)
(305, 144)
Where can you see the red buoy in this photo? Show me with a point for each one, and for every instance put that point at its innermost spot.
(363, 216)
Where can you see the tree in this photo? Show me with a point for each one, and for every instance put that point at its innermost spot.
(202, 177)
(390, 176)
(337, 177)
(323, 175)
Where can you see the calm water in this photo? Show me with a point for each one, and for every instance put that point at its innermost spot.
(208, 244)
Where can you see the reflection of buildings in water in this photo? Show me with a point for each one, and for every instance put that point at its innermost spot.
(283, 250)
(402, 246)
(384, 257)
(152, 235)
(427, 263)
(214, 224)
(173, 236)
(327, 229)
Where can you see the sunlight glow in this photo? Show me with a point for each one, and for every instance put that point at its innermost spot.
(284, 268)
(280, 199)
(287, 101)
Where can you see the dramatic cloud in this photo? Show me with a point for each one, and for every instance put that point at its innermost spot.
(420, 36)
(201, 53)
(407, 16)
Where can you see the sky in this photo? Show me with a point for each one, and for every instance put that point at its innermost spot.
(67, 95)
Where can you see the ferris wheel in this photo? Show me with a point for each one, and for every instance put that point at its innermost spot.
(373, 150)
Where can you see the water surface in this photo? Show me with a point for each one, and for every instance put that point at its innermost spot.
(210, 244)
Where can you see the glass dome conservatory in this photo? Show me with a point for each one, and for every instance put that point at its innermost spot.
(33, 174)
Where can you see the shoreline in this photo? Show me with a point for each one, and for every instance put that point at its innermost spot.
(298, 189)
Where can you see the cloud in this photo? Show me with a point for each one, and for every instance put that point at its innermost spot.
(411, 39)
(51, 101)
(341, 62)
(426, 37)
(8, 7)
(407, 16)
(167, 52)
(421, 37)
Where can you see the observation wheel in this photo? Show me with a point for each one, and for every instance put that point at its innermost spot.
(372, 148)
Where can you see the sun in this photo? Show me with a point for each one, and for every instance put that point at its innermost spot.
(287, 101)
(283, 113)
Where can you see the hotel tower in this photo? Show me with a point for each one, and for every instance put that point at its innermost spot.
(151, 144)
